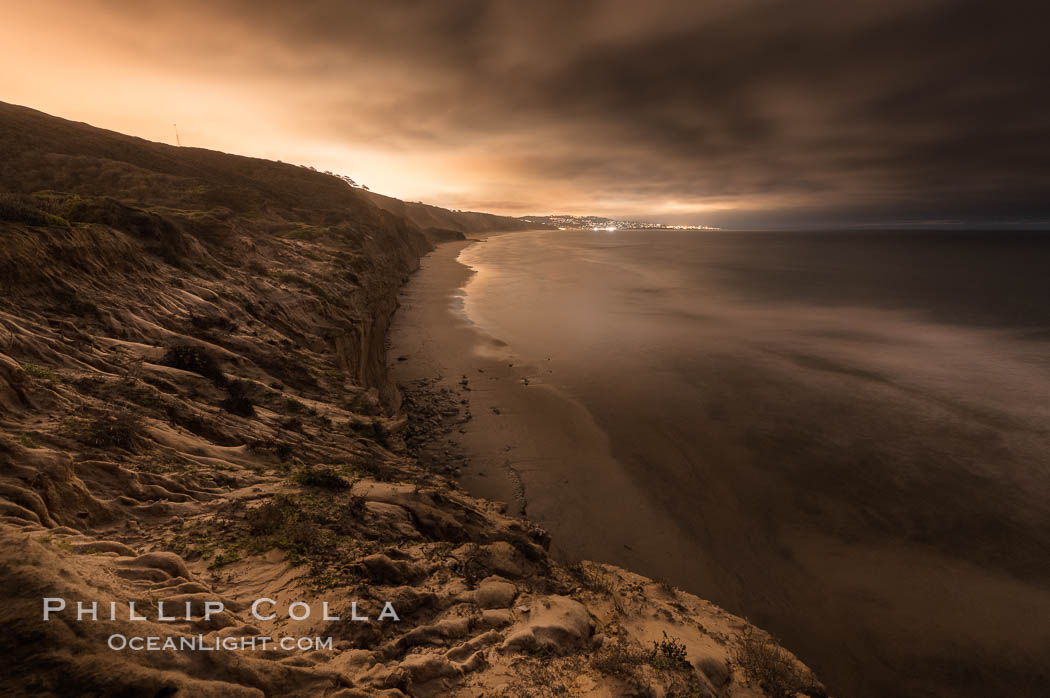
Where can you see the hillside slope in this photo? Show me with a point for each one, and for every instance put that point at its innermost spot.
(194, 411)
(435, 218)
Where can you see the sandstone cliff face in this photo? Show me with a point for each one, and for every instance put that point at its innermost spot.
(194, 411)
(112, 203)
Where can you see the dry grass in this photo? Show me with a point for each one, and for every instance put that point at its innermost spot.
(589, 576)
(766, 664)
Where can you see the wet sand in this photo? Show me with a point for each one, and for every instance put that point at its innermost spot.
(874, 613)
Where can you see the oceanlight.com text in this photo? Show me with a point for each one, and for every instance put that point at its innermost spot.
(200, 643)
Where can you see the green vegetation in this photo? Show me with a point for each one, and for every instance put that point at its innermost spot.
(283, 524)
(62, 544)
(197, 540)
(224, 558)
(27, 441)
(40, 372)
(334, 373)
(71, 426)
(366, 468)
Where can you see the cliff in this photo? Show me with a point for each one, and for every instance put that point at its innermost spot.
(194, 411)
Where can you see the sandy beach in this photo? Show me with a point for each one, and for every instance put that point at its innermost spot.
(527, 440)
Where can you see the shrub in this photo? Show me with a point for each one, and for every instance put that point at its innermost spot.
(138, 394)
(618, 660)
(258, 268)
(367, 468)
(267, 518)
(198, 424)
(27, 441)
(115, 430)
(68, 302)
(763, 662)
(301, 537)
(358, 428)
(290, 277)
(40, 372)
(212, 322)
(669, 653)
(292, 424)
(281, 522)
(187, 357)
(225, 558)
(23, 209)
(293, 406)
(592, 580)
(282, 449)
(324, 478)
(237, 401)
(355, 507)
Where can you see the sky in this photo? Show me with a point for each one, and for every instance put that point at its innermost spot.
(742, 113)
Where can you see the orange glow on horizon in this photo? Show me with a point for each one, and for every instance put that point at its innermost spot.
(122, 72)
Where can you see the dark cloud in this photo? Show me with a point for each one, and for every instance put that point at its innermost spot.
(752, 112)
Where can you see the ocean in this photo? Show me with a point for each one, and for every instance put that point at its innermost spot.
(844, 436)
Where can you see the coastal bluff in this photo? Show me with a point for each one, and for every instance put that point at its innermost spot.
(195, 414)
